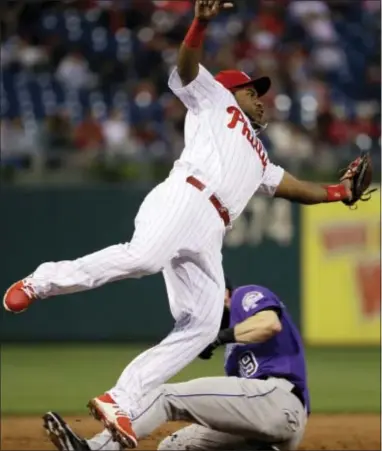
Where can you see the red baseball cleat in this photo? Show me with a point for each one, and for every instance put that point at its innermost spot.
(18, 297)
(116, 421)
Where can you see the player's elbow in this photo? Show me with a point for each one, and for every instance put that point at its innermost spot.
(267, 331)
(188, 65)
(268, 326)
(274, 327)
(187, 74)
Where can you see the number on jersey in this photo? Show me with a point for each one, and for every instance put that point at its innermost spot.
(248, 364)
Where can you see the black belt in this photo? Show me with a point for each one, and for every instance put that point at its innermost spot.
(295, 390)
(298, 393)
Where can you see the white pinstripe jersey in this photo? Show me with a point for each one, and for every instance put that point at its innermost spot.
(221, 147)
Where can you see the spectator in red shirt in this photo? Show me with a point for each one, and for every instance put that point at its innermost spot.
(364, 123)
(339, 130)
(88, 134)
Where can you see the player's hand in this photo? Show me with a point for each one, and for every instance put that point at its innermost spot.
(347, 185)
(209, 351)
(208, 9)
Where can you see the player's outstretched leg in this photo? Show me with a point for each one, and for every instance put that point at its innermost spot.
(173, 217)
(61, 435)
(108, 265)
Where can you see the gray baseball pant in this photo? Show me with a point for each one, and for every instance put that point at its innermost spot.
(231, 413)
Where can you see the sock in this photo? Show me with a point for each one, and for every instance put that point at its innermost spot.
(103, 441)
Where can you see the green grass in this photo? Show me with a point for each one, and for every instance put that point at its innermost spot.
(37, 378)
(345, 380)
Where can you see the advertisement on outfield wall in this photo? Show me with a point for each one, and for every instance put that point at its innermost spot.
(341, 273)
(263, 248)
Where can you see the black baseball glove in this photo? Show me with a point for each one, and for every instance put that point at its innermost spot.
(207, 353)
(359, 173)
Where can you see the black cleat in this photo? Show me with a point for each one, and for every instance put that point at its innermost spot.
(61, 435)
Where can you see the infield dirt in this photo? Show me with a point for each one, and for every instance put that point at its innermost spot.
(324, 432)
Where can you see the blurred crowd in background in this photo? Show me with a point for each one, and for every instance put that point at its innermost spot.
(84, 91)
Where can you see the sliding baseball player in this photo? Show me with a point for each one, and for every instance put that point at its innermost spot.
(262, 403)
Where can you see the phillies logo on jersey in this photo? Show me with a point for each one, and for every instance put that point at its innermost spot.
(238, 117)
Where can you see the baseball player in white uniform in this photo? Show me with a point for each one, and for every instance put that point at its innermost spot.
(180, 226)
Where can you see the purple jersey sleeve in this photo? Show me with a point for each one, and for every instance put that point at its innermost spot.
(251, 299)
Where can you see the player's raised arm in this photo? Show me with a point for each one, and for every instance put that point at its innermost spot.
(190, 52)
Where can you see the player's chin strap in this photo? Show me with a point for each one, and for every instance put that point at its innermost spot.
(257, 127)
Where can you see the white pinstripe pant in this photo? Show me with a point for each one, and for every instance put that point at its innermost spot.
(179, 232)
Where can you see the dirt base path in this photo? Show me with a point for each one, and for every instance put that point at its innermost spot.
(324, 432)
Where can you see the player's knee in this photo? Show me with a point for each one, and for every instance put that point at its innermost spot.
(171, 442)
(274, 426)
(179, 440)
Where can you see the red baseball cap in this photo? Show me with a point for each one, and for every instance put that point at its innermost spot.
(233, 79)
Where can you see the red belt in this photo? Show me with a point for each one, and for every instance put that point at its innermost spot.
(222, 211)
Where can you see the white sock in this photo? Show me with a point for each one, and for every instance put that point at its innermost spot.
(103, 441)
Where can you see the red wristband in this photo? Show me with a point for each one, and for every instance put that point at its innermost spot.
(336, 193)
(194, 37)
